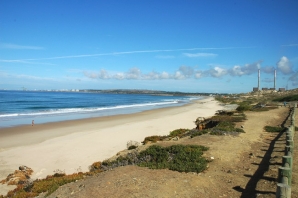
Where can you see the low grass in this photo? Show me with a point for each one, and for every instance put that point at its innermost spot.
(48, 185)
(240, 117)
(264, 108)
(273, 129)
(287, 98)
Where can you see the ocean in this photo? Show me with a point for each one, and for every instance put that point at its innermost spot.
(21, 107)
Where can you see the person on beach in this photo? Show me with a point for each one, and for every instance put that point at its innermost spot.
(32, 122)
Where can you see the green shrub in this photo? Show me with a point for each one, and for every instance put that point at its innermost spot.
(273, 129)
(198, 133)
(158, 157)
(287, 98)
(244, 106)
(239, 130)
(226, 126)
(182, 158)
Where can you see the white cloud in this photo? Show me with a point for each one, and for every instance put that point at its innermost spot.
(195, 55)
(165, 75)
(134, 73)
(236, 71)
(284, 65)
(103, 74)
(179, 75)
(247, 69)
(198, 74)
(92, 75)
(183, 72)
(217, 72)
(186, 71)
(119, 76)
(19, 47)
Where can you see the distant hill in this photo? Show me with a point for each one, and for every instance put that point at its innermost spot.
(143, 91)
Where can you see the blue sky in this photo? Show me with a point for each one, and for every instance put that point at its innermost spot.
(171, 45)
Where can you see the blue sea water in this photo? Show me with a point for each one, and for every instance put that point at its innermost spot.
(21, 107)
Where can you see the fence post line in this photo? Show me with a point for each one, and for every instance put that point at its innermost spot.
(285, 172)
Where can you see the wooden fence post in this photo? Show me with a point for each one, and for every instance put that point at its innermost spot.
(288, 150)
(285, 175)
(290, 143)
(283, 191)
(287, 161)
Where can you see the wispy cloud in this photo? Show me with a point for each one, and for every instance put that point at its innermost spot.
(290, 45)
(26, 62)
(19, 47)
(164, 57)
(27, 77)
(195, 55)
(132, 52)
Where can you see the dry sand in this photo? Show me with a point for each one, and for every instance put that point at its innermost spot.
(72, 146)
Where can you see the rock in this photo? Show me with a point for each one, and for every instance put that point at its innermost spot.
(176, 138)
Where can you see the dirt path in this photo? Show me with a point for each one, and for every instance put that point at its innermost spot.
(243, 166)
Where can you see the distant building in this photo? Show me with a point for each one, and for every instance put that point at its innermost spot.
(265, 89)
(282, 89)
(255, 89)
(272, 89)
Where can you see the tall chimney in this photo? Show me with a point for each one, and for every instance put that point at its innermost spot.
(274, 79)
(259, 79)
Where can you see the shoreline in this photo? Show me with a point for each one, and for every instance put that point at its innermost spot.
(74, 145)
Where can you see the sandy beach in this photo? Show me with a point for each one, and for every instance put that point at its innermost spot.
(72, 146)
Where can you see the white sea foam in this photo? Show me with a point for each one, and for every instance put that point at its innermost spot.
(86, 110)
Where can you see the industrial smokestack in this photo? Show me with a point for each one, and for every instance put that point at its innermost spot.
(259, 79)
(274, 79)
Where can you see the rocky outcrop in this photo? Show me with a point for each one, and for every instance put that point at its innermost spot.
(20, 176)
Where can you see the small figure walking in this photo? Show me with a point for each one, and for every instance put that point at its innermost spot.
(32, 122)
